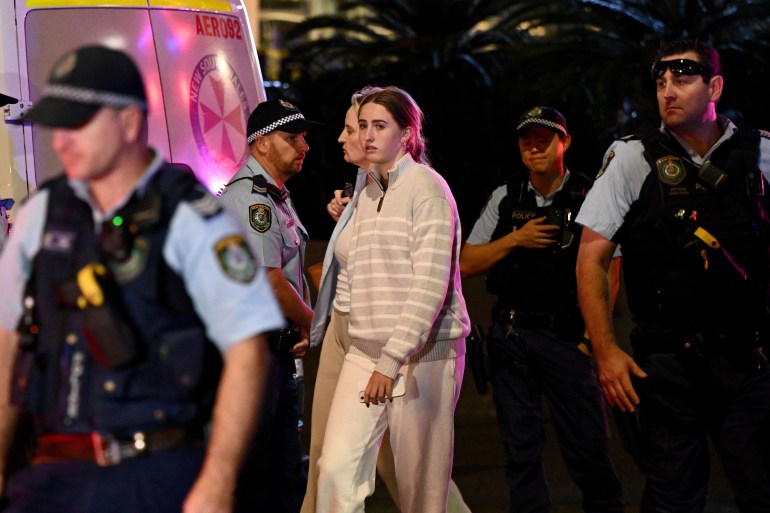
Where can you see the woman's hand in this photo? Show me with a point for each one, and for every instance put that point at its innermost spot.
(379, 389)
(337, 204)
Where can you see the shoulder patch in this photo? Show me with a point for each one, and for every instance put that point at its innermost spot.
(236, 259)
(607, 160)
(260, 217)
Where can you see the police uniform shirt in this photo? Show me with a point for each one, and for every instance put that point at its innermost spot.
(222, 278)
(487, 221)
(273, 227)
(624, 171)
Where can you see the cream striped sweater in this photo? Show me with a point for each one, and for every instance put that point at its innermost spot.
(406, 294)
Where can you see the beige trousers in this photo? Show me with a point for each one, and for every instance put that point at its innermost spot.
(333, 350)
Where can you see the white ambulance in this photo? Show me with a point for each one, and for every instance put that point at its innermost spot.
(199, 63)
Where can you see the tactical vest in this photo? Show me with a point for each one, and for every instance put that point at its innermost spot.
(61, 378)
(541, 280)
(695, 244)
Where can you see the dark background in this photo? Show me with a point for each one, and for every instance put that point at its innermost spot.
(474, 66)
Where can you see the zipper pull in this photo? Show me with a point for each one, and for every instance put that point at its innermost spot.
(379, 205)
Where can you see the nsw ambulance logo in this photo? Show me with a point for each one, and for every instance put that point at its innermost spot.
(218, 112)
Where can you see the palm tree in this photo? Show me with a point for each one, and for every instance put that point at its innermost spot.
(612, 43)
(475, 65)
(453, 56)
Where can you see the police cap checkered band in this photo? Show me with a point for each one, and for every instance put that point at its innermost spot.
(274, 126)
(543, 116)
(276, 115)
(92, 96)
(85, 80)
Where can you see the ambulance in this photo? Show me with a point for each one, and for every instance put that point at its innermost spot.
(200, 67)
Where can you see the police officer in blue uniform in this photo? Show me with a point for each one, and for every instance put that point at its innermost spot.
(132, 317)
(527, 241)
(688, 203)
(258, 196)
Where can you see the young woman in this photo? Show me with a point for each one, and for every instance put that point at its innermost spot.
(407, 318)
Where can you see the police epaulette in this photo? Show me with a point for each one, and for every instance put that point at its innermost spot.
(260, 185)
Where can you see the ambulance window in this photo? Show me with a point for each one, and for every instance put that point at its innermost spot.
(52, 32)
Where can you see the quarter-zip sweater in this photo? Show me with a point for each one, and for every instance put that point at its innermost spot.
(403, 267)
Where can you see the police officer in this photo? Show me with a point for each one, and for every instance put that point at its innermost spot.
(527, 241)
(687, 202)
(123, 283)
(258, 196)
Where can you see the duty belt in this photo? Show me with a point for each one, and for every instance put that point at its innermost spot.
(107, 450)
(747, 350)
(525, 319)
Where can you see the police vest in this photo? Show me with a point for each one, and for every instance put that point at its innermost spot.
(539, 279)
(695, 244)
(61, 378)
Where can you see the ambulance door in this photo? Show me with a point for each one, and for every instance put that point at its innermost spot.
(51, 32)
(211, 82)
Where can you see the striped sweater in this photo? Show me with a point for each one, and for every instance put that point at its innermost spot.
(406, 295)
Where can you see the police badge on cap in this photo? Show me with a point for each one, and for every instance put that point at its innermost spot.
(543, 116)
(276, 115)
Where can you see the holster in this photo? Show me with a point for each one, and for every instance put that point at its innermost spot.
(110, 335)
(283, 340)
(477, 359)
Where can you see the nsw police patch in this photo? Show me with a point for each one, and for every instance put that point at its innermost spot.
(260, 217)
(235, 258)
(610, 156)
(670, 170)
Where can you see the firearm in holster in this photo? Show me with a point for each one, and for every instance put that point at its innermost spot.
(477, 359)
(110, 336)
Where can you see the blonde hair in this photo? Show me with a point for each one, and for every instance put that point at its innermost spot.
(359, 95)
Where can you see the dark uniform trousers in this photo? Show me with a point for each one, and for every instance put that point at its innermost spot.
(531, 364)
(153, 483)
(273, 477)
(687, 396)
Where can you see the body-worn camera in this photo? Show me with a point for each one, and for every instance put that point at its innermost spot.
(561, 218)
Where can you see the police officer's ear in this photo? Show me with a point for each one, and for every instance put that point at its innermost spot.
(566, 140)
(260, 145)
(715, 88)
(132, 120)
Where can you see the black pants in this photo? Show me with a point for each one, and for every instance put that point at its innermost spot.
(273, 477)
(686, 398)
(528, 367)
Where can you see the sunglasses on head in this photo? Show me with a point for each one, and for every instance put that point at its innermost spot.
(679, 67)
